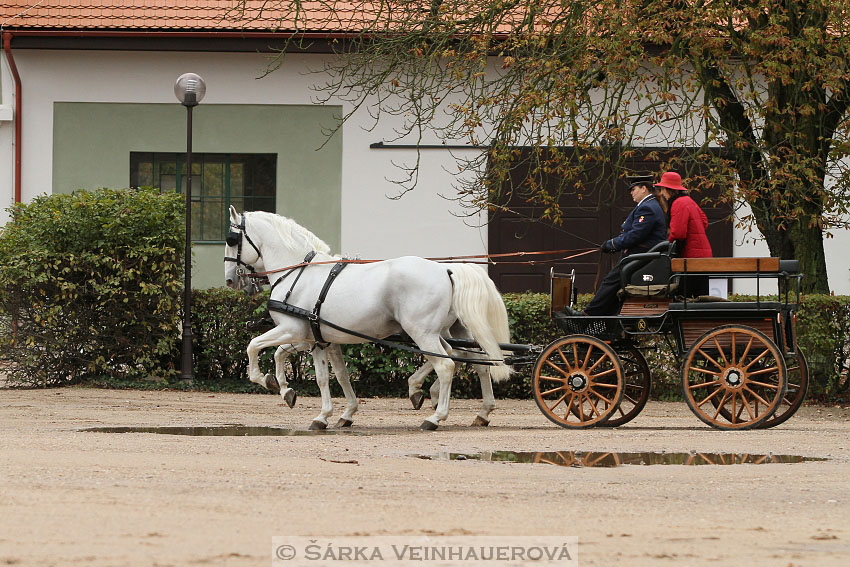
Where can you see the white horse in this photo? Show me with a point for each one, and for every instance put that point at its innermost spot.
(412, 295)
(279, 384)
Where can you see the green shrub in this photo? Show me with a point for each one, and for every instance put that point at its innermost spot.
(220, 333)
(90, 285)
(823, 334)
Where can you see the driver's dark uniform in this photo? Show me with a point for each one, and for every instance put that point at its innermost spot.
(645, 227)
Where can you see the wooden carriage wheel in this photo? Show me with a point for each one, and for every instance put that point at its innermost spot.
(637, 382)
(734, 377)
(798, 387)
(578, 381)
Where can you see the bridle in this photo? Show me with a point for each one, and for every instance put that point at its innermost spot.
(235, 239)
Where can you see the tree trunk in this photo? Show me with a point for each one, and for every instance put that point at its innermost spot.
(808, 249)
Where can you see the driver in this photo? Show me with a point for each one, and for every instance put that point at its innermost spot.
(645, 227)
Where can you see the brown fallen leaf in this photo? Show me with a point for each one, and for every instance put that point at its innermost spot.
(351, 462)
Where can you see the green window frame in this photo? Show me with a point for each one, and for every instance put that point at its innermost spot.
(246, 181)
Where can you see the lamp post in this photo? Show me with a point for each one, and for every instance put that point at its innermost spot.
(190, 90)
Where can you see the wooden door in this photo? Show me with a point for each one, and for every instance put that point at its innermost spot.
(590, 217)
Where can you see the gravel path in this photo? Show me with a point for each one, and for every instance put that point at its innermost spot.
(75, 498)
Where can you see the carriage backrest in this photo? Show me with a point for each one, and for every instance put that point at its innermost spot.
(561, 290)
(648, 273)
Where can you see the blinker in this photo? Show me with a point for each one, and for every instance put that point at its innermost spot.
(232, 238)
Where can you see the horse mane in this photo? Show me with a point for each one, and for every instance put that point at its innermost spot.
(293, 234)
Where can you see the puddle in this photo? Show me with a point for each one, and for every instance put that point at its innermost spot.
(583, 459)
(223, 431)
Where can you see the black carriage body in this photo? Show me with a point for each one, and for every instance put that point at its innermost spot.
(740, 365)
(650, 311)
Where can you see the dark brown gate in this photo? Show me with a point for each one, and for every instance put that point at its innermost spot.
(587, 222)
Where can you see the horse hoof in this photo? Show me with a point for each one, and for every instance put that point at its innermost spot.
(272, 385)
(480, 422)
(289, 397)
(344, 422)
(416, 399)
(428, 426)
(317, 425)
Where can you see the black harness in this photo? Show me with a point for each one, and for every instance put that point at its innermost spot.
(312, 317)
(235, 239)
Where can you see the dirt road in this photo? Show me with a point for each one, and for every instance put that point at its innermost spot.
(75, 498)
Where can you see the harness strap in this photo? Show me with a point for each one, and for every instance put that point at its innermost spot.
(310, 255)
(281, 307)
(314, 323)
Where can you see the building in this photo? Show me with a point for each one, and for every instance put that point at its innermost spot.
(86, 101)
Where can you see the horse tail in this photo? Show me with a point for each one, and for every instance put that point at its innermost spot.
(480, 308)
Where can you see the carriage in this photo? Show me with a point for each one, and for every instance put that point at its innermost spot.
(740, 365)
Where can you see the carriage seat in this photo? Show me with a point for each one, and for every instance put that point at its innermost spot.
(789, 266)
(648, 274)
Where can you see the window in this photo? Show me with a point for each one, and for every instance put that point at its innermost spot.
(246, 181)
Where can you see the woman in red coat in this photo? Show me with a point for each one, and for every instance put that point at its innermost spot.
(687, 227)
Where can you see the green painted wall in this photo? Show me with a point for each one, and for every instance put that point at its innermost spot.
(92, 144)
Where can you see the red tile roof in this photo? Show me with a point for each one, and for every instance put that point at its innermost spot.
(210, 15)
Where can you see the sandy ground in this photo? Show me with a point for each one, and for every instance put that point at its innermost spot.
(74, 498)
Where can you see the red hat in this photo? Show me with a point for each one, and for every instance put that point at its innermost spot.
(671, 180)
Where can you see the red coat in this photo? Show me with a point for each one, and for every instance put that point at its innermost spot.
(688, 223)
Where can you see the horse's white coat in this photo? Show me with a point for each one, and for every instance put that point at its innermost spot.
(407, 294)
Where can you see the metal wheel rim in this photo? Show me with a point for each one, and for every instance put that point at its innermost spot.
(637, 380)
(734, 377)
(797, 378)
(797, 388)
(578, 381)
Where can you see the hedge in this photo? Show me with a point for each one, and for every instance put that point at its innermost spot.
(90, 285)
(823, 326)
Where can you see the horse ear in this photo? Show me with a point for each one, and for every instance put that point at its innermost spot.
(234, 216)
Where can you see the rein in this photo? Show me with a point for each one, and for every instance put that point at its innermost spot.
(445, 260)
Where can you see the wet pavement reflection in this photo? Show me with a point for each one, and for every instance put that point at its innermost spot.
(610, 459)
(223, 431)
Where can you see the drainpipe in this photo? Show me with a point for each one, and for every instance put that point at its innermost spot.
(7, 47)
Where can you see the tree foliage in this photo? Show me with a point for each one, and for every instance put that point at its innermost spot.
(755, 90)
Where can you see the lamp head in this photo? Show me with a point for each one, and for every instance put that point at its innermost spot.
(190, 89)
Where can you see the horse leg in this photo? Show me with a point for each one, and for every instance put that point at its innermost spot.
(277, 336)
(280, 355)
(414, 385)
(488, 400)
(320, 363)
(445, 368)
(435, 393)
(334, 353)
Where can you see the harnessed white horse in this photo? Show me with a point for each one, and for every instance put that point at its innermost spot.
(412, 295)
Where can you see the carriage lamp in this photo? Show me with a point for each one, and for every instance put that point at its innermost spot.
(189, 90)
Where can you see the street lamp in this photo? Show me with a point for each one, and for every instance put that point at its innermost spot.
(189, 90)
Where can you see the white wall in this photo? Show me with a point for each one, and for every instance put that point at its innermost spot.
(752, 244)
(374, 226)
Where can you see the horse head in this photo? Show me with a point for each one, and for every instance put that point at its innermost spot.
(241, 254)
